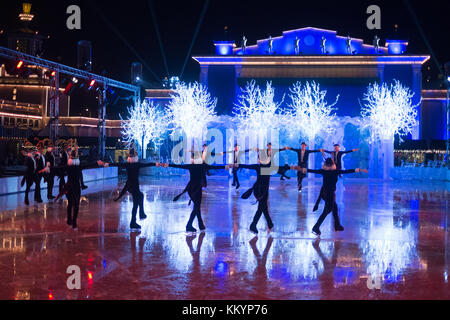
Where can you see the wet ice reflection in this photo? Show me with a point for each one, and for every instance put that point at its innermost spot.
(391, 233)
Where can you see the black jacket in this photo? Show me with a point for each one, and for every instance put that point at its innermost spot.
(132, 172)
(304, 163)
(30, 163)
(330, 177)
(338, 157)
(49, 157)
(261, 186)
(196, 171)
(40, 162)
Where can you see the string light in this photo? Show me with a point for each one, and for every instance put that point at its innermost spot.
(309, 112)
(388, 110)
(191, 110)
(146, 123)
(256, 111)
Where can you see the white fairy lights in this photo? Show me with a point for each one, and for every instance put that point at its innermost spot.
(388, 110)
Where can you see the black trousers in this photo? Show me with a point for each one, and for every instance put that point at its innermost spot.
(29, 183)
(138, 203)
(330, 206)
(196, 196)
(50, 179)
(37, 188)
(235, 177)
(263, 209)
(204, 183)
(61, 183)
(300, 177)
(73, 197)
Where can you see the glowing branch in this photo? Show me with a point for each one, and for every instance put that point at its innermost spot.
(388, 110)
(146, 123)
(309, 112)
(192, 109)
(256, 111)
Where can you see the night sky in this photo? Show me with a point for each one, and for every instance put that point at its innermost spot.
(177, 21)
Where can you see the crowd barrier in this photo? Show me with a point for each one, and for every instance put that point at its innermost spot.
(11, 185)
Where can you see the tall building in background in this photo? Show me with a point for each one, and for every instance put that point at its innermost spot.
(25, 39)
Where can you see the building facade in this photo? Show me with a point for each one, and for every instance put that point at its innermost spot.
(342, 65)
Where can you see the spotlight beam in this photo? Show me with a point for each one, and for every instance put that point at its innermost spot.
(158, 35)
(121, 37)
(427, 43)
(202, 15)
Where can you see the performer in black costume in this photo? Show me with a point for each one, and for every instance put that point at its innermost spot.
(303, 157)
(40, 166)
(236, 160)
(29, 176)
(64, 158)
(337, 155)
(133, 167)
(72, 188)
(337, 159)
(260, 190)
(49, 177)
(194, 189)
(330, 174)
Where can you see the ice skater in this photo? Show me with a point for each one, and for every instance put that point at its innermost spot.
(337, 154)
(40, 169)
(197, 171)
(49, 176)
(72, 188)
(29, 177)
(303, 157)
(330, 174)
(133, 167)
(260, 188)
(236, 160)
(337, 160)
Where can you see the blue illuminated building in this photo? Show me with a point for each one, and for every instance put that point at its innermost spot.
(341, 69)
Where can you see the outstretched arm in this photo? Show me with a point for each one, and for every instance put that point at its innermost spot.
(93, 165)
(357, 170)
(179, 166)
(314, 171)
(148, 164)
(348, 151)
(292, 149)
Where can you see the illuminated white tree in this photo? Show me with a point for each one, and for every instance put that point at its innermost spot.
(388, 110)
(191, 110)
(146, 123)
(309, 112)
(256, 111)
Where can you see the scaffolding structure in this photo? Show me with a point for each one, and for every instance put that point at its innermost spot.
(79, 74)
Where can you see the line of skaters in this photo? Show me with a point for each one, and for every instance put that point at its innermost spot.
(198, 170)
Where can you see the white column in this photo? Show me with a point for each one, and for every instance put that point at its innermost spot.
(387, 153)
(417, 89)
